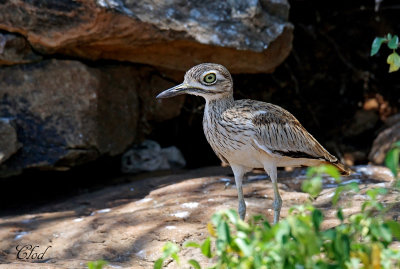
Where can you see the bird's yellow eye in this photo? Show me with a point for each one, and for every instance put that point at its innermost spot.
(210, 78)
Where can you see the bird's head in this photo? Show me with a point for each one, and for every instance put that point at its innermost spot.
(211, 81)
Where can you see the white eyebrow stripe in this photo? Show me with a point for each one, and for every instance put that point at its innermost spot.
(216, 72)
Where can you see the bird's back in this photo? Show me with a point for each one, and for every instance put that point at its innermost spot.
(272, 130)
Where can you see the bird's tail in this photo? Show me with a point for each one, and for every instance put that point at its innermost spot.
(344, 171)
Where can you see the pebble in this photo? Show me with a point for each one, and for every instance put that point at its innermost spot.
(190, 205)
(181, 214)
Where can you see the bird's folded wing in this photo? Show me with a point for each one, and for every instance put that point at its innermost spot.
(290, 139)
(277, 131)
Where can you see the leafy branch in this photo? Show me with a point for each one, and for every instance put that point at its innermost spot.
(392, 162)
(392, 43)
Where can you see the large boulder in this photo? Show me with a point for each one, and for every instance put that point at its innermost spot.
(15, 49)
(67, 112)
(8, 139)
(247, 36)
(389, 134)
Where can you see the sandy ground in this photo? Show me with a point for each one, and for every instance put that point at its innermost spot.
(128, 224)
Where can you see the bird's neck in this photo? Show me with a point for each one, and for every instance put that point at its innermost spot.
(218, 105)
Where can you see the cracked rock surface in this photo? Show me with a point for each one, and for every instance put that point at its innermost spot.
(247, 36)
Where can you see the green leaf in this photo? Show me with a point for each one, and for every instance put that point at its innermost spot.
(317, 218)
(394, 227)
(97, 264)
(232, 216)
(381, 232)
(332, 171)
(323, 169)
(372, 193)
(386, 233)
(342, 246)
(169, 248)
(175, 257)
(330, 234)
(311, 171)
(206, 248)
(157, 264)
(376, 45)
(336, 196)
(312, 186)
(223, 232)
(393, 42)
(216, 218)
(392, 160)
(243, 226)
(243, 246)
(191, 244)
(194, 263)
(339, 214)
(394, 62)
(258, 218)
(354, 263)
(352, 186)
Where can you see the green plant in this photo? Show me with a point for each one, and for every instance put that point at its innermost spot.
(313, 184)
(392, 159)
(393, 43)
(359, 241)
(96, 264)
(169, 250)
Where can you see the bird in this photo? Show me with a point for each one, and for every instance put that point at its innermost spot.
(250, 134)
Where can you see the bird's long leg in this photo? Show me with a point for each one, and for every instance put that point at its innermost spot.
(239, 172)
(272, 172)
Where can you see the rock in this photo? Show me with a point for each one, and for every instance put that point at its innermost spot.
(385, 139)
(8, 140)
(363, 120)
(378, 103)
(67, 113)
(352, 157)
(174, 157)
(149, 156)
(160, 110)
(14, 49)
(246, 36)
(127, 224)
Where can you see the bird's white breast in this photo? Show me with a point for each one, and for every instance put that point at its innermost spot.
(235, 147)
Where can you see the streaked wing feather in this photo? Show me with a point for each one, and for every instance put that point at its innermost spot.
(277, 130)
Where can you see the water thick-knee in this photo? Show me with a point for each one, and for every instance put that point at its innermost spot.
(249, 134)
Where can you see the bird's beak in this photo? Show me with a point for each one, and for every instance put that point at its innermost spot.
(174, 91)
